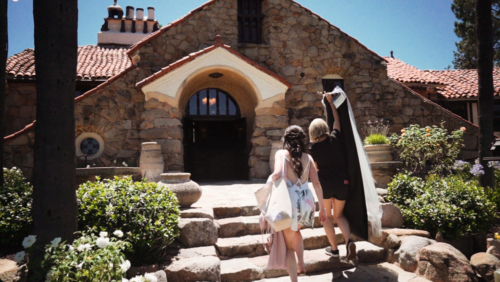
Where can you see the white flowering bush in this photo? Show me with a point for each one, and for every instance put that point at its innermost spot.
(15, 208)
(89, 258)
(146, 214)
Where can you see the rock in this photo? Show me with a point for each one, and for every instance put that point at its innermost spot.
(369, 253)
(393, 241)
(8, 270)
(490, 242)
(241, 270)
(161, 276)
(392, 216)
(197, 252)
(382, 192)
(485, 264)
(407, 232)
(197, 232)
(494, 251)
(194, 269)
(442, 262)
(197, 213)
(405, 256)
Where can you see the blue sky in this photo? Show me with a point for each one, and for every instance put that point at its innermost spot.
(420, 32)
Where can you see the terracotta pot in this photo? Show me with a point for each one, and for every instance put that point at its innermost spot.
(151, 162)
(187, 191)
(378, 153)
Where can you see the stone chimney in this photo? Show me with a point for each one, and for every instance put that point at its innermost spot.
(128, 29)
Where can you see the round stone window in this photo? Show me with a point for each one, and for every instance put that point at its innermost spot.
(89, 144)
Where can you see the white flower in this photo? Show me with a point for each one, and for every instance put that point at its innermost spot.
(19, 257)
(88, 166)
(55, 243)
(29, 241)
(102, 242)
(84, 247)
(118, 233)
(103, 234)
(124, 164)
(124, 280)
(137, 279)
(110, 265)
(80, 265)
(150, 277)
(71, 249)
(125, 265)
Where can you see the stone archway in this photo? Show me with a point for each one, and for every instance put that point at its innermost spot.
(259, 93)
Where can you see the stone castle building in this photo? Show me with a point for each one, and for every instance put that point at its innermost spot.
(217, 88)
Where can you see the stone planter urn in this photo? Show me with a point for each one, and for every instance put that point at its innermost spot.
(187, 191)
(378, 153)
(151, 162)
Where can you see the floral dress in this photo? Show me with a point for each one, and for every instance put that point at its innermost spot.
(303, 206)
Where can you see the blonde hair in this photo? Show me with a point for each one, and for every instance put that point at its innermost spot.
(317, 128)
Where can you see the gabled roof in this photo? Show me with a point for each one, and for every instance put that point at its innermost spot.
(456, 84)
(193, 56)
(406, 73)
(94, 62)
(164, 29)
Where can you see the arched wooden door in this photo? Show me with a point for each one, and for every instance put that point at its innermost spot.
(214, 137)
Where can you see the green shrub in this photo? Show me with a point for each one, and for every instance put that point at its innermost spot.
(376, 139)
(89, 258)
(147, 214)
(404, 188)
(15, 208)
(429, 145)
(449, 205)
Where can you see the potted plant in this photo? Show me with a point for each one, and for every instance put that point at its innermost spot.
(377, 145)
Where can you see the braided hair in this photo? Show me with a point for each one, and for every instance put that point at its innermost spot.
(293, 142)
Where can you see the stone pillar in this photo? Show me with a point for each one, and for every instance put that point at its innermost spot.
(151, 161)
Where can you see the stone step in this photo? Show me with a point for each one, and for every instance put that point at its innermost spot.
(245, 225)
(249, 269)
(227, 211)
(251, 245)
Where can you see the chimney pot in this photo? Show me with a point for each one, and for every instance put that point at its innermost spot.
(130, 12)
(151, 14)
(139, 14)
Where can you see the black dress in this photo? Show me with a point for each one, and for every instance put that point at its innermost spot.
(329, 155)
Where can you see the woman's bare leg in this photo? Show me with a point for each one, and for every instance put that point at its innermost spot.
(328, 224)
(298, 245)
(291, 264)
(338, 208)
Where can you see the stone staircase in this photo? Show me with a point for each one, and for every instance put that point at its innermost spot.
(239, 255)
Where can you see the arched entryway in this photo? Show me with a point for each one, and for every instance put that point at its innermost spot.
(215, 141)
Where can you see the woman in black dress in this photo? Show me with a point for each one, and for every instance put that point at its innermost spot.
(328, 151)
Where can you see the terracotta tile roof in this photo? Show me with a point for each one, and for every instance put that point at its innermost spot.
(463, 83)
(164, 29)
(192, 56)
(453, 83)
(77, 99)
(406, 73)
(94, 62)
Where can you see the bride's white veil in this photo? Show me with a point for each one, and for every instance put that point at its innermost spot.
(373, 207)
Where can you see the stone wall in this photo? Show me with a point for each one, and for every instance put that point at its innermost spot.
(20, 105)
(298, 45)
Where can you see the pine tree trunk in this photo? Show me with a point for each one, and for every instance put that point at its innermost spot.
(484, 32)
(3, 91)
(54, 195)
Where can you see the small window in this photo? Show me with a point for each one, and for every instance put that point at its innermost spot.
(250, 21)
(330, 84)
(89, 145)
(212, 103)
